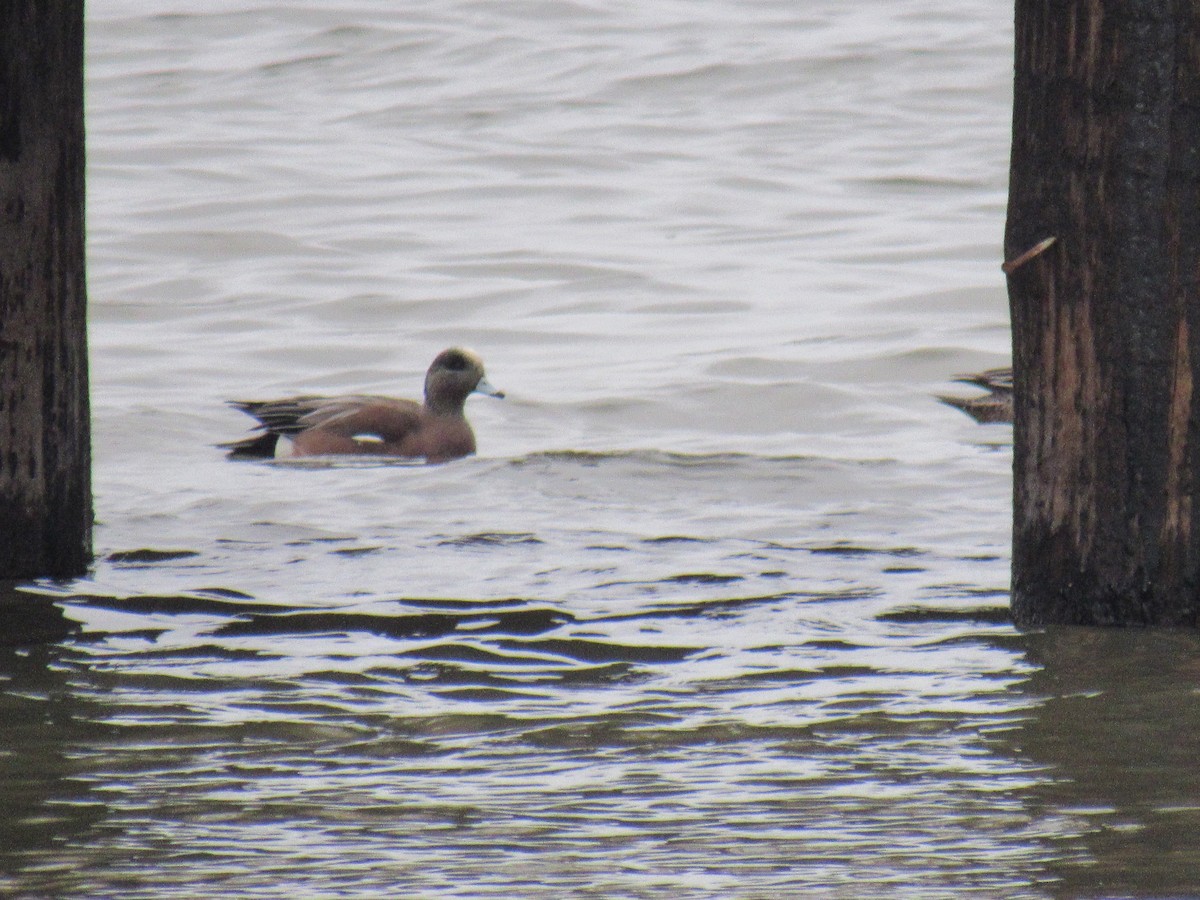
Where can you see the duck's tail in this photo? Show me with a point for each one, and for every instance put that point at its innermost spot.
(987, 409)
(260, 446)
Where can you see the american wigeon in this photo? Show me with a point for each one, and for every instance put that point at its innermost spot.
(436, 431)
(994, 406)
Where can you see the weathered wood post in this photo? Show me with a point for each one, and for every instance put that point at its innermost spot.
(45, 479)
(1106, 318)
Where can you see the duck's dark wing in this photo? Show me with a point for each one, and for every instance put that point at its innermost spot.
(369, 418)
(994, 406)
(997, 380)
(282, 416)
(342, 415)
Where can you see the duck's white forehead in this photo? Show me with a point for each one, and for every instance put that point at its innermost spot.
(465, 352)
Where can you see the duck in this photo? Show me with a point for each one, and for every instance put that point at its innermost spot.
(994, 406)
(436, 430)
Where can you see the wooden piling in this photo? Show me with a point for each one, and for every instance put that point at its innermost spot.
(45, 481)
(1106, 319)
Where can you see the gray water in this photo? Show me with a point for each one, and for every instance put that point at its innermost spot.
(719, 608)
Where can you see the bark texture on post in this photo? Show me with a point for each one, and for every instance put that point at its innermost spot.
(45, 454)
(1106, 321)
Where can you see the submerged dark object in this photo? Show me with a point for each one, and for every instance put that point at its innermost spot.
(994, 406)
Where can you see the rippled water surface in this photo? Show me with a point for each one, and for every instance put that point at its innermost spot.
(718, 610)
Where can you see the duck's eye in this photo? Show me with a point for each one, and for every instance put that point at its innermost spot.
(455, 361)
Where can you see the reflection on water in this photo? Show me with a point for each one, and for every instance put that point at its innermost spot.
(1117, 733)
(483, 748)
(720, 608)
(519, 748)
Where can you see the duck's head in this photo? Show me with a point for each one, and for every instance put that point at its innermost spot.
(453, 375)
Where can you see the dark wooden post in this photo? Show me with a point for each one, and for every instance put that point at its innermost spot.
(1106, 318)
(45, 479)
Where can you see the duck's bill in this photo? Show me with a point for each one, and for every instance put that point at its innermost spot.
(485, 387)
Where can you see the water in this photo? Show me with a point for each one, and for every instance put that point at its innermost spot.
(719, 608)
